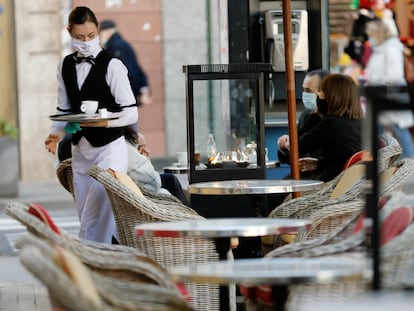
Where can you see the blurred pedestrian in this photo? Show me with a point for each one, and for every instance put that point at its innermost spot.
(115, 45)
(386, 67)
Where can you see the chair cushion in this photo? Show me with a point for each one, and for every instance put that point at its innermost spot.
(395, 223)
(262, 293)
(183, 291)
(40, 212)
(126, 181)
(349, 178)
(358, 157)
(77, 272)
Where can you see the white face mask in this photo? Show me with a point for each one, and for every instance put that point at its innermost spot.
(87, 48)
(309, 100)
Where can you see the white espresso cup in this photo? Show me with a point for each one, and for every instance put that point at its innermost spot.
(89, 106)
(182, 157)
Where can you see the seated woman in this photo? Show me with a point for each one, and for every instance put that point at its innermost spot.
(338, 135)
(142, 171)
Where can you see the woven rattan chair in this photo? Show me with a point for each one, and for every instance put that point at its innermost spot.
(131, 208)
(396, 261)
(387, 156)
(106, 259)
(65, 176)
(320, 198)
(403, 170)
(19, 212)
(342, 238)
(114, 293)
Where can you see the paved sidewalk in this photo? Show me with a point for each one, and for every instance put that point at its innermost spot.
(19, 290)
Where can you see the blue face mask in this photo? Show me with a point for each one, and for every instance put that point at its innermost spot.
(309, 100)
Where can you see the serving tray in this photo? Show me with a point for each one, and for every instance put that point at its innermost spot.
(80, 117)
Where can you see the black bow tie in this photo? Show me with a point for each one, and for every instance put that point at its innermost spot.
(80, 59)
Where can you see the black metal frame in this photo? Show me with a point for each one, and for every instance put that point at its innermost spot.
(378, 99)
(247, 71)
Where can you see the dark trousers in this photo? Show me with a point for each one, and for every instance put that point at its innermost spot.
(172, 184)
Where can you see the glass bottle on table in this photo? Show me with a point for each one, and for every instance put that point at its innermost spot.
(211, 147)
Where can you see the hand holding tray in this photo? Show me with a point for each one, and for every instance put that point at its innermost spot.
(80, 117)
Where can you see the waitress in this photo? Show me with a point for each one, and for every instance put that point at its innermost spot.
(91, 74)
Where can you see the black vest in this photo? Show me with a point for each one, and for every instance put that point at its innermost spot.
(94, 88)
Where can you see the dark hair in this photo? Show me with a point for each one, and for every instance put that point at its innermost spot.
(81, 15)
(341, 93)
(131, 135)
(321, 73)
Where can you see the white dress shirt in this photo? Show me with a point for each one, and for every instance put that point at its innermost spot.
(117, 79)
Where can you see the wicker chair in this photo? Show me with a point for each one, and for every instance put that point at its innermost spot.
(387, 157)
(130, 209)
(396, 260)
(65, 176)
(104, 258)
(388, 154)
(314, 208)
(320, 198)
(112, 292)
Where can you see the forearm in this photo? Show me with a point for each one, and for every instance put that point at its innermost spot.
(127, 116)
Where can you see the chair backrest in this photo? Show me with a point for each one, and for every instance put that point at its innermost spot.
(109, 292)
(65, 176)
(358, 157)
(350, 177)
(390, 152)
(64, 293)
(101, 257)
(394, 178)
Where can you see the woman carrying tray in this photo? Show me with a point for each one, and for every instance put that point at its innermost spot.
(91, 74)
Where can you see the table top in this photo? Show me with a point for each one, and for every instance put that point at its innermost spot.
(276, 271)
(223, 227)
(253, 186)
(177, 168)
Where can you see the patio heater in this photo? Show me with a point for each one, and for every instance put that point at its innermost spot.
(226, 100)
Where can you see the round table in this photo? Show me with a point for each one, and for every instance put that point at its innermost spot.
(223, 227)
(253, 186)
(280, 271)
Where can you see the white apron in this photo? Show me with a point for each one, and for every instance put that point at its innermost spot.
(95, 214)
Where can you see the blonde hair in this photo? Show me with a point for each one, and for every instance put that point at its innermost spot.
(379, 30)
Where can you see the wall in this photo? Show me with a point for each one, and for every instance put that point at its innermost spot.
(7, 75)
(37, 55)
(185, 33)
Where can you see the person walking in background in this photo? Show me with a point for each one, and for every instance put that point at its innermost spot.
(386, 67)
(90, 73)
(117, 47)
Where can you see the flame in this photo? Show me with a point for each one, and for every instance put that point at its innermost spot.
(213, 159)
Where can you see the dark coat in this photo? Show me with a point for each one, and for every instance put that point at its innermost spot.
(338, 138)
(119, 48)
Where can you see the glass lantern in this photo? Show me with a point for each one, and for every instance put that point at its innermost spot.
(225, 121)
